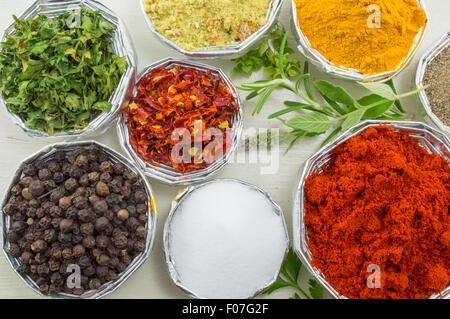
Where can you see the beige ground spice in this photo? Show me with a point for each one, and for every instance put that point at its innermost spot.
(194, 24)
(437, 77)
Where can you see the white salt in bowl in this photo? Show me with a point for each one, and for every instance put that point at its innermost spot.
(224, 239)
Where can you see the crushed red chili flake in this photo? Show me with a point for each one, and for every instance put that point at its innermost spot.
(172, 99)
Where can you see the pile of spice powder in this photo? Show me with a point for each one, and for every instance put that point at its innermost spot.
(437, 78)
(344, 32)
(176, 99)
(381, 200)
(194, 24)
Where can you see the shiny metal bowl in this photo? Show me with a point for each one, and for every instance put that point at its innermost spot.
(222, 52)
(167, 174)
(316, 58)
(178, 201)
(122, 46)
(433, 140)
(434, 51)
(46, 154)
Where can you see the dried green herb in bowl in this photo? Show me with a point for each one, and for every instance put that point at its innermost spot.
(58, 74)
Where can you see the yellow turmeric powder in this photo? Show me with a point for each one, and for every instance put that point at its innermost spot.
(371, 36)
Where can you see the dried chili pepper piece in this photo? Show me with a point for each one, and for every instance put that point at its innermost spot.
(179, 99)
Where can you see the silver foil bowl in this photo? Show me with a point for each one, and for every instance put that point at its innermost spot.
(177, 202)
(167, 174)
(429, 138)
(317, 59)
(221, 52)
(47, 154)
(427, 58)
(121, 45)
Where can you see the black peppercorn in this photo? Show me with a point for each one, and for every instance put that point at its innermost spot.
(43, 270)
(102, 271)
(94, 283)
(89, 271)
(38, 246)
(71, 213)
(89, 241)
(50, 235)
(45, 174)
(16, 190)
(80, 202)
(141, 208)
(102, 241)
(86, 229)
(84, 180)
(120, 241)
(84, 261)
(106, 167)
(66, 225)
(18, 226)
(67, 253)
(118, 168)
(56, 211)
(71, 184)
(102, 189)
(65, 238)
(49, 185)
(101, 206)
(14, 250)
(101, 224)
(82, 160)
(58, 177)
(29, 170)
(103, 260)
(54, 166)
(53, 265)
(57, 194)
(140, 197)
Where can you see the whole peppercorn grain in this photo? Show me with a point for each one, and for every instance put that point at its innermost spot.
(78, 207)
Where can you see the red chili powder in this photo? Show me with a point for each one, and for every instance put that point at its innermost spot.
(381, 200)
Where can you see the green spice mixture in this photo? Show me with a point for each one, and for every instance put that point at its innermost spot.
(437, 77)
(194, 24)
(58, 76)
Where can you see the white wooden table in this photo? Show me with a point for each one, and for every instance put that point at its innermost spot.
(152, 280)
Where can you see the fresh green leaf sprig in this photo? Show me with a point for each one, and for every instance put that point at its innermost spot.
(335, 108)
(289, 275)
(267, 56)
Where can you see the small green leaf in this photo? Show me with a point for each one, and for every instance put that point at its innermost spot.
(292, 264)
(380, 106)
(353, 119)
(336, 93)
(313, 122)
(105, 107)
(332, 135)
(315, 289)
(290, 109)
(380, 89)
(280, 283)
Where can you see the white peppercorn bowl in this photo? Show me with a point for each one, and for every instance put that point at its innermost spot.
(121, 45)
(165, 173)
(221, 52)
(317, 59)
(425, 60)
(45, 154)
(431, 139)
(177, 202)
